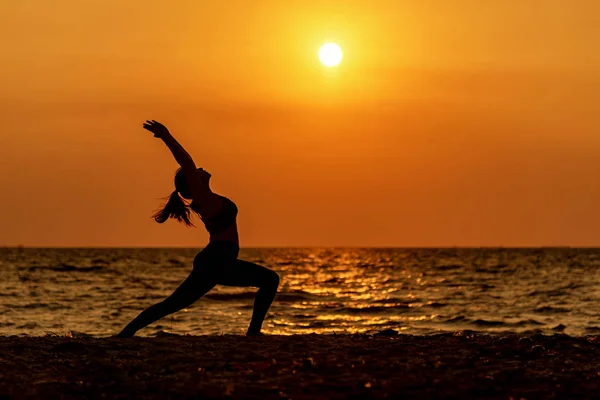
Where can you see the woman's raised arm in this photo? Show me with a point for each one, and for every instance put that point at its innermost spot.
(197, 189)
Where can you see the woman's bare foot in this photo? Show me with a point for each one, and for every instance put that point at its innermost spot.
(123, 334)
(249, 333)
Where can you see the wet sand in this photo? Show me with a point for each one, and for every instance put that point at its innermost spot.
(454, 365)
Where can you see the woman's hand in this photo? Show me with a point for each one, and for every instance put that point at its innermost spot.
(160, 131)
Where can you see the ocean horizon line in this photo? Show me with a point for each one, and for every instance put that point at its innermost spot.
(467, 247)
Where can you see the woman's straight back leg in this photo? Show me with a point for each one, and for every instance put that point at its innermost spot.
(196, 285)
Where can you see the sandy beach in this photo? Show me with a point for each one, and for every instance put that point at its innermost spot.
(386, 365)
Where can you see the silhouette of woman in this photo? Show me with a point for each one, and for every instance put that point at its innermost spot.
(217, 263)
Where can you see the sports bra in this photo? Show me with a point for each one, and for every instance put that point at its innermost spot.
(223, 219)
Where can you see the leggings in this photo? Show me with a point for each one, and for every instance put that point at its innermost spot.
(216, 264)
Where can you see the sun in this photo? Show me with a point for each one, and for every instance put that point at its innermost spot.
(330, 54)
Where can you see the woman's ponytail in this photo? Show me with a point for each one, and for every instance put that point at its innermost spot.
(175, 208)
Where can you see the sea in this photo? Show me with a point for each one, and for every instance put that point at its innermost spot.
(97, 291)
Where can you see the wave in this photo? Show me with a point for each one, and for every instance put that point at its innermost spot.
(371, 309)
(449, 267)
(483, 323)
(31, 306)
(316, 324)
(303, 316)
(28, 325)
(436, 304)
(485, 286)
(523, 323)
(286, 263)
(492, 269)
(594, 330)
(486, 323)
(563, 291)
(456, 319)
(297, 295)
(65, 268)
(334, 280)
(552, 310)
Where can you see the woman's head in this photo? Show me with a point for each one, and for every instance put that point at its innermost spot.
(176, 207)
(181, 184)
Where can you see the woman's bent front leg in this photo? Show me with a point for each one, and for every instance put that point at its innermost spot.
(185, 295)
(245, 273)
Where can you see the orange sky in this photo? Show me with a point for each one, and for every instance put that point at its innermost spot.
(460, 122)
